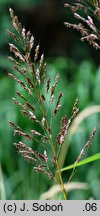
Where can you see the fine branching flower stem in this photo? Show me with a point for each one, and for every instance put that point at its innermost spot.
(58, 168)
(57, 163)
(59, 173)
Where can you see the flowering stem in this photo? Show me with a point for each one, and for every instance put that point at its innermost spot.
(57, 165)
(59, 173)
(61, 181)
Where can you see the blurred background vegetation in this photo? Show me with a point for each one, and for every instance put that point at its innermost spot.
(78, 65)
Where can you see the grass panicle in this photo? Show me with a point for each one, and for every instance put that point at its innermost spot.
(86, 12)
(31, 76)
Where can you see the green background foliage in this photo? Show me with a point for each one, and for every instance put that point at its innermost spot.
(79, 77)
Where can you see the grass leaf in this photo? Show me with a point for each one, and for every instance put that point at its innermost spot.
(85, 161)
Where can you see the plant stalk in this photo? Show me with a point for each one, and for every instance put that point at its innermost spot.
(59, 173)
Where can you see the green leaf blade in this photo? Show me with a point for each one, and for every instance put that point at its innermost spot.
(83, 162)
